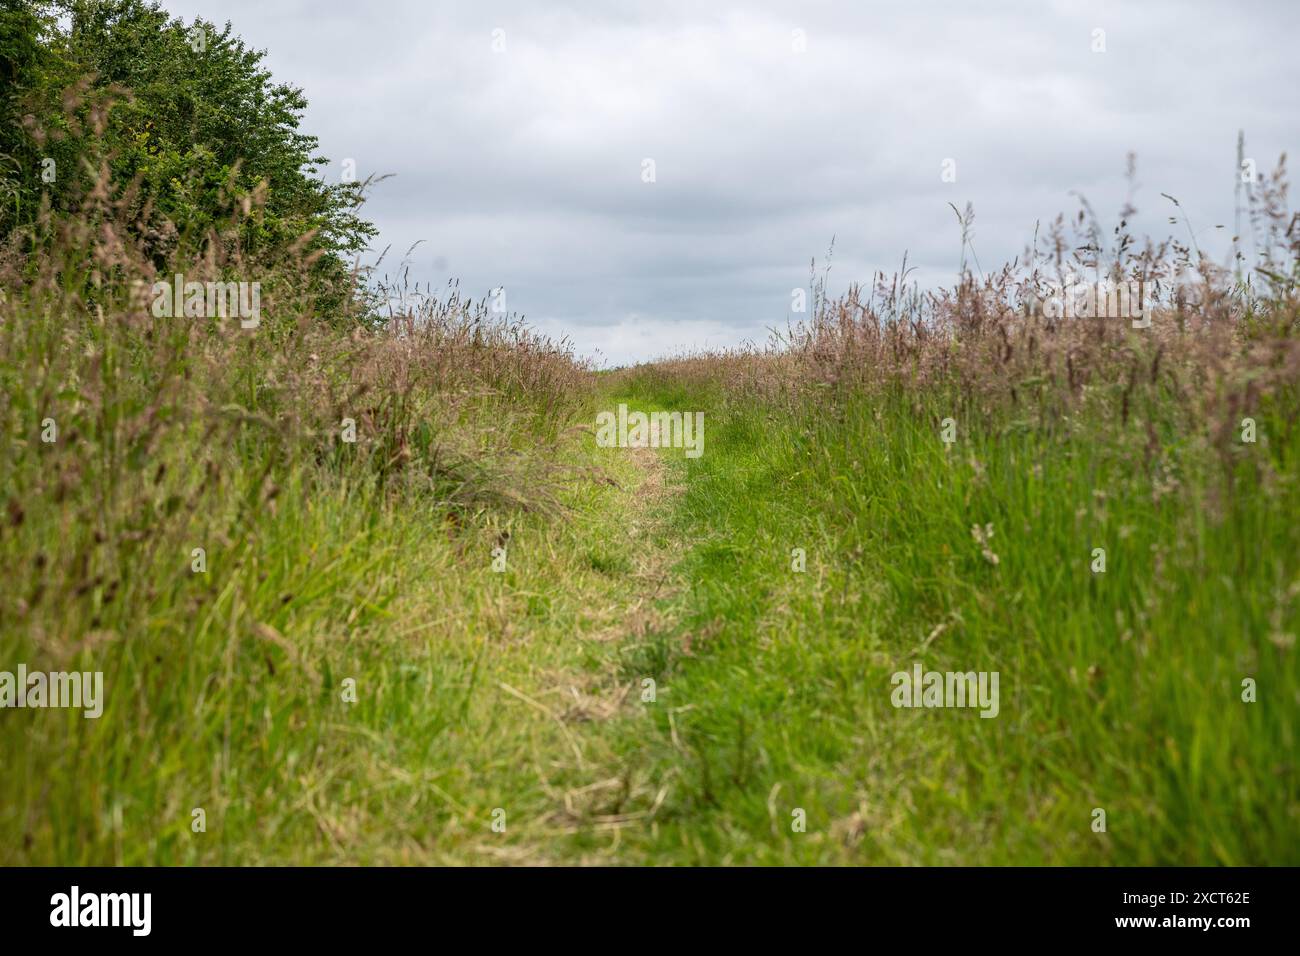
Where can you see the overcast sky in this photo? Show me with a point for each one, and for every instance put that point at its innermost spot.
(518, 133)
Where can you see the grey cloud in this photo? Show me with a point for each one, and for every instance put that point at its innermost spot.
(523, 168)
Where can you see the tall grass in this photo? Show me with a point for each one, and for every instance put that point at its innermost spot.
(305, 637)
(1124, 690)
(181, 511)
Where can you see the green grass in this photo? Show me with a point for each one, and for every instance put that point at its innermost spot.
(523, 691)
(225, 690)
(653, 678)
(1120, 690)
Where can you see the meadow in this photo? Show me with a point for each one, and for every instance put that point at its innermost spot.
(365, 588)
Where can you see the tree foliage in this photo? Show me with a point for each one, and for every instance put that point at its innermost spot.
(186, 119)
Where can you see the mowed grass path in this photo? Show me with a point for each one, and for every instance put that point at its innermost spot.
(651, 681)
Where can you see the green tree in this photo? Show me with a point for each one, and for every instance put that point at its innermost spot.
(190, 119)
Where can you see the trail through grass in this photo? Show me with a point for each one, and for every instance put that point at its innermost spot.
(651, 681)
